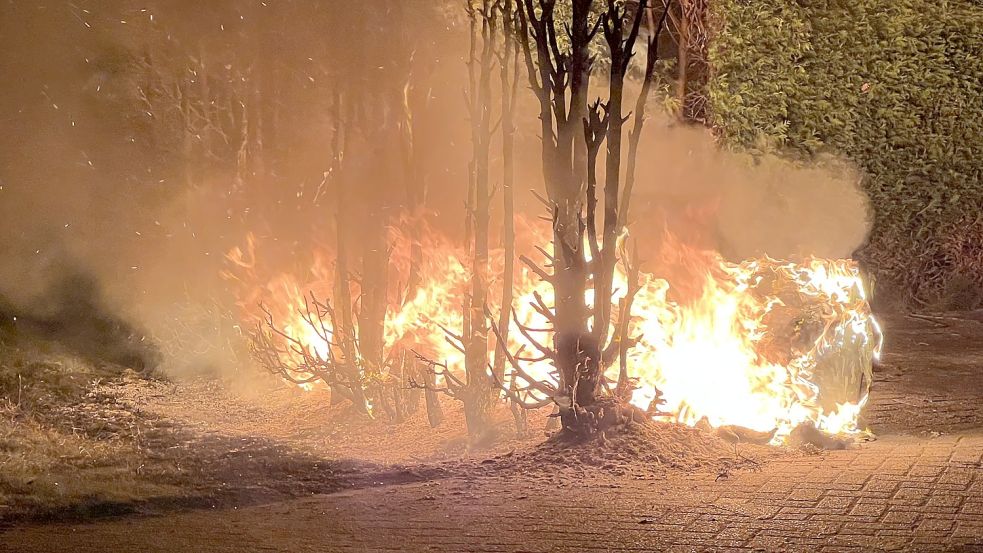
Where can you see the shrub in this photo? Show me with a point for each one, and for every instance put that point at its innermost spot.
(896, 86)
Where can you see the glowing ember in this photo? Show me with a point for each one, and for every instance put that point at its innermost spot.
(766, 345)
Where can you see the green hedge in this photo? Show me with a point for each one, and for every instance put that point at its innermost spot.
(896, 86)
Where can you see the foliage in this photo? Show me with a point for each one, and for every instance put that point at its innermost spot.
(897, 86)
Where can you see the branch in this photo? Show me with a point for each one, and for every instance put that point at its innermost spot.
(536, 268)
(514, 394)
(543, 387)
(454, 384)
(547, 352)
(634, 136)
(541, 308)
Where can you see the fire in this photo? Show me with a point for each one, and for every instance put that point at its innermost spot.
(767, 345)
(763, 344)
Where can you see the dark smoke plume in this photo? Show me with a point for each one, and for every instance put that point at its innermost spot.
(73, 313)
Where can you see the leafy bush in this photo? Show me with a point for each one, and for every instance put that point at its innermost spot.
(895, 85)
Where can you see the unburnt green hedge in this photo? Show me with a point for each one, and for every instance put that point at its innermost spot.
(896, 86)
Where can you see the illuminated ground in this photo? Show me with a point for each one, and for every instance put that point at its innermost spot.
(918, 487)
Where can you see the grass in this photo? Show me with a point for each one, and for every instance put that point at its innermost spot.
(47, 470)
(51, 461)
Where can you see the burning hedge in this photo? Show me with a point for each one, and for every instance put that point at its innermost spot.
(763, 345)
(766, 345)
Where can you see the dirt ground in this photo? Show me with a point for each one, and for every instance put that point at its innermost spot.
(278, 471)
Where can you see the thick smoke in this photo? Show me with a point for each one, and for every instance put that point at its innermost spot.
(110, 232)
(745, 207)
(72, 312)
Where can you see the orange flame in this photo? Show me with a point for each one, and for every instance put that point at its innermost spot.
(763, 344)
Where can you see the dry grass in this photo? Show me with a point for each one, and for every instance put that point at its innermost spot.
(47, 469)
(50, 462)
(640, 451)
(306, 422)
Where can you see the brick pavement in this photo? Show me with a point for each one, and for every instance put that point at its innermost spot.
(899, 493)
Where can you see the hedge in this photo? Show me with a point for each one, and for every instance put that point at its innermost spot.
(894, 85)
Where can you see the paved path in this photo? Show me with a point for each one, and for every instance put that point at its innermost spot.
(898, 493)
(919, 488)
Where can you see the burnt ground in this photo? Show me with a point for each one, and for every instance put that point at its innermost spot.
(279, 471)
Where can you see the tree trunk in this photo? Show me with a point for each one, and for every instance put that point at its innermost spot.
(569, 172)
(372, 315)
(479, 393)
(564, 170)
(344, 332)
(683, 57)
(604, 274)
(509, 81)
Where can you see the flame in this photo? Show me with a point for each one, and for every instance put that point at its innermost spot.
(763, 344)
(717, 358)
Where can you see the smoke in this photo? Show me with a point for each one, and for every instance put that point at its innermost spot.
(71, 311)
(746, 207)
(111, 232)
(90, 210)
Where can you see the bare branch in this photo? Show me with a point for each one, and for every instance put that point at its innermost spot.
(547, 352)
(634, 136)
(536, 268)
(543, 387)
